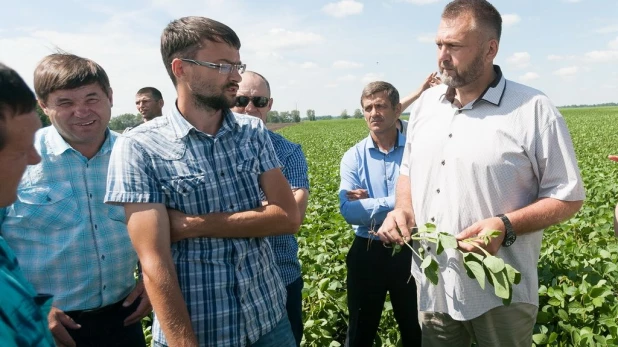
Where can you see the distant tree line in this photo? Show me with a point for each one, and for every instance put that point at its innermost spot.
(607, 104)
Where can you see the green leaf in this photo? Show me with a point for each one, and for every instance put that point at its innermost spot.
(439, 248)
(501, 285)
(576, 308)
(431, 272)
(475, 270)
(426, 262)
(540, 339)
(396, 249)
(448, 241)
(494, 264)
(514, 276)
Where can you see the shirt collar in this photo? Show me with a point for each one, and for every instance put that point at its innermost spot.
(492, 94)
(182, 127)
(57, 144)
(400, 142)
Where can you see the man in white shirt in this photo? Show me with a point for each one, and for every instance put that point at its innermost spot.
(482, 154)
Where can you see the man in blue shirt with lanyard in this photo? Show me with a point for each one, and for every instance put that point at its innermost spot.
(253, 98)
(23, 312)
(369, 171)
(68, 242)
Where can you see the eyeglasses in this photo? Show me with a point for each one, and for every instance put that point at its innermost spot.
(258, 101)
(223, 68)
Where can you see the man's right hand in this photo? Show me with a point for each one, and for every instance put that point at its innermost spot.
(357, 194)
(397, 220)
(58, 322)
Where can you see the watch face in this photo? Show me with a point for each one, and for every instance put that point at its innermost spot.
(509, 239)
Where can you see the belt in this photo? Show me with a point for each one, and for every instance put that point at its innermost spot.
(96, 312)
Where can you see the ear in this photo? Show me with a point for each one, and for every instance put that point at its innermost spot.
(111, 97)
(492, 49)
(398, 110)
(42, 105)
(270, 104)
(161, 103)
(177, 68)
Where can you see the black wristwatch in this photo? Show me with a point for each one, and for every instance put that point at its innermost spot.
(509, 236)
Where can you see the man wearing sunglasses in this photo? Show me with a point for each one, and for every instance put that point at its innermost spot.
(191, 184)
(253, 98)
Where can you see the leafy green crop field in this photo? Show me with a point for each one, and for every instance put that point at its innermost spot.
(578, 273)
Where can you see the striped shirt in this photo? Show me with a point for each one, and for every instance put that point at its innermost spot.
(23, 313)
(68, 242)
(364, 166)
(231, 286)
(294, 169)
(494, 155)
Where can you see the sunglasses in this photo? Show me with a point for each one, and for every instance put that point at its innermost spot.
(258, 101)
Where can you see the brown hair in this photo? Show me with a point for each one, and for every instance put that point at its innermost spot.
(485, 15)
(380, 86)
(183, 37)
(60, 71)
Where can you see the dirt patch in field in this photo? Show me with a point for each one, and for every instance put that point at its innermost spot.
(276, 126)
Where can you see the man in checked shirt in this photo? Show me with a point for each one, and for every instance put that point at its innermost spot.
(68, 242)
(192, 179)
(253, 98)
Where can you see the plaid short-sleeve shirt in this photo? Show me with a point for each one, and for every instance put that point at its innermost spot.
(231, 286)
(295, 170)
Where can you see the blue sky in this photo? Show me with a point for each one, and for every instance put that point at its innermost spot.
(320, 54)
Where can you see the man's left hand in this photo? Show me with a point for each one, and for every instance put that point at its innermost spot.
(143, 309)
(481, 228)
(357, 194)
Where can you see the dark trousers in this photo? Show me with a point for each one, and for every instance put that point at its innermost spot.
(104, 327)
(294, 307)
(371, 274)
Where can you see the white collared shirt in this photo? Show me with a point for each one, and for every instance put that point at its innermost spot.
(495, 155)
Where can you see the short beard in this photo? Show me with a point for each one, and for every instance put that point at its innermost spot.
(467, 77)
(218, 102)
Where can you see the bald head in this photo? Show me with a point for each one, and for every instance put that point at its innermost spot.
(253, 96)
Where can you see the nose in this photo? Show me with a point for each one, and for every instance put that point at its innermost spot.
(235, 75)
(443, 53)
(250, 106)
(82, 110)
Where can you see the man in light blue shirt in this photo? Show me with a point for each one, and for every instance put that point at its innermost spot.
(68, 242)
(369, 172)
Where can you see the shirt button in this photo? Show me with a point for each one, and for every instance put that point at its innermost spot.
(443, 162)
(438, 190)
(90, 195)
(222, 174)
(96, 227)
(104, 287)
(103, 257)
(450, 135)
(232, 206)
(433, 219)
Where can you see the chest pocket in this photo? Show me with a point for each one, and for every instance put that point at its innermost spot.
(52, 206)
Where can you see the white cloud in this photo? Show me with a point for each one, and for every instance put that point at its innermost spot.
(372, 77)
(279, 39)
(520, 60)
(529, 76)
(426, 38)
(510, 19)
(553, 57)
(602, 56)
(331, 85)
(343, 8)
(346, 64)
(308, 65)
(613, 44)
(566, 71)
(608, 29)
(421, 2)
(346, 78)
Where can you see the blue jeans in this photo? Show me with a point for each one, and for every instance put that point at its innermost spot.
(294, 306)
(280, 336)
